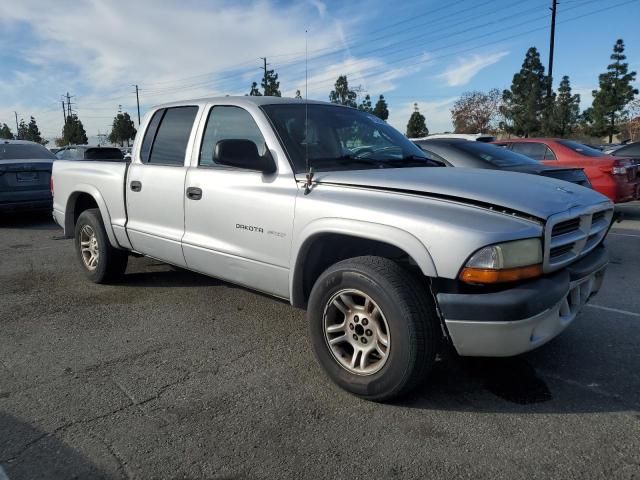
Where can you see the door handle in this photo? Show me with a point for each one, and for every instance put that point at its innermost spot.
(136, 186)
(194, 193)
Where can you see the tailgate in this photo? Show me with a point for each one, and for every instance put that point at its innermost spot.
(573, 175)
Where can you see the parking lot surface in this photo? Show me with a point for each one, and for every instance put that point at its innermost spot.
(171, 374)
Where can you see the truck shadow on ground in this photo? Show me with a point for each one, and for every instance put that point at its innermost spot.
(27, 452)
(39, 220)
(514, 385)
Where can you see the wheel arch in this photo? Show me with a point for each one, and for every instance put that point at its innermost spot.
(83, 198)
(325, 242)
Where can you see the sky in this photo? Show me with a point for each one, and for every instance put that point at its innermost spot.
(427, 52)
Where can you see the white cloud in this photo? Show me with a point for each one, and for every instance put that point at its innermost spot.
(320, 6)
(97, 50)
(468, 67)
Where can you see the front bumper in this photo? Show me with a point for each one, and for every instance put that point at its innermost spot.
(517, 320)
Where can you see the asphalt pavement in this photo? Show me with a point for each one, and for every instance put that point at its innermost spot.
(171, 374)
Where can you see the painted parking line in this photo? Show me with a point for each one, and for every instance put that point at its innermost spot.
(614, 310)
(624, 234)
(3, 476)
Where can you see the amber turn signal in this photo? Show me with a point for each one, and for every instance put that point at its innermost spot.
(485, 275)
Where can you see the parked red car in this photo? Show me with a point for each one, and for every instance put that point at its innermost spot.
(617, 178)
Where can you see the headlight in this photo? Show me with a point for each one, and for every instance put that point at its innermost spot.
(504, 262)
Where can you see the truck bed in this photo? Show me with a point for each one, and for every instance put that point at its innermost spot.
(103, 180)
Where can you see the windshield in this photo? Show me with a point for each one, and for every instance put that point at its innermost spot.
(498, 156)
(24, 151)
(582, 149)
(339, 138)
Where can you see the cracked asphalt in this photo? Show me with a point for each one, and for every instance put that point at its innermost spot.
(171, 374)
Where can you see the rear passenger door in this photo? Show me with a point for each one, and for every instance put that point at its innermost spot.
(155, 185)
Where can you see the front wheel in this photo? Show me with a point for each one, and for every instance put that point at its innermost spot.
(373, 327)
(100, 261)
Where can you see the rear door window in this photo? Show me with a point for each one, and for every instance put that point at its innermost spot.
(534, 150)
(170, 141)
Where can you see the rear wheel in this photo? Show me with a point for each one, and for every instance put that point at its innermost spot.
(100, 262)
(373, 327)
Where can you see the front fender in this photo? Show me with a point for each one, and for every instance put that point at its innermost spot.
(356, 228)
(102, 205)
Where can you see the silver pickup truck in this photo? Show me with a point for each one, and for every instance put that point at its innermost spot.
(330, 208)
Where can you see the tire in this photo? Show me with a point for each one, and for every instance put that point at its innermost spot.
(110, 263)
(397, 303)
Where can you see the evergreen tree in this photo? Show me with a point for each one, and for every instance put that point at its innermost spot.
(341, 93)
(272, 86)
(254, 92)
(417, 127)
(365, 104)
(32, 132)
(381, 110)
(615, 92)
(524, 104)
(5, 132)
(73, 132)
(122, 129)
(566, 110)
(23, 130)
(298, 94)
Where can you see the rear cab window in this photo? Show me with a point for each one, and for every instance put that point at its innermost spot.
(167, 136)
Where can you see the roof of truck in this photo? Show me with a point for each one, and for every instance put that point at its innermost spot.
(245, 100)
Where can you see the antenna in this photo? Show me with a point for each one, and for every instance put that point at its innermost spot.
(309, 183)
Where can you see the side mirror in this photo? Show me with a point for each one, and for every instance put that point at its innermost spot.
(243, 154)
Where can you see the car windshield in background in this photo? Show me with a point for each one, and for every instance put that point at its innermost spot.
(103, 153)
(24, 151)
(498, 156)
(582, 149)
(339, 138)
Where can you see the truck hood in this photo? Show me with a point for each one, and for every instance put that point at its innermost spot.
(531, 195)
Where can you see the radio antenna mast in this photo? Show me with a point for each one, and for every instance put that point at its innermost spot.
(309, 177)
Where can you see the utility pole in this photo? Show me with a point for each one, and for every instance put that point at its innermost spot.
(554, 7)
(64, 113)
(265, 74)
(17, 128)
(138, 103)
(69, 97)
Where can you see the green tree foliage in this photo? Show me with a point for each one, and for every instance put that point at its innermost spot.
(22, 130)
(341, 93)
(476, 112)
(365, 104)
(524, 104)
(254, 92)
(122, 129)
(610, 100)
(566, 110)
(417, 126)
(33, 132)
(381, 110)
(5, 132)
(271, 85)
(298, 95)
(73, 132)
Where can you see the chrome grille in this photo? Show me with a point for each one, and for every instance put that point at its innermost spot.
(572, 234)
